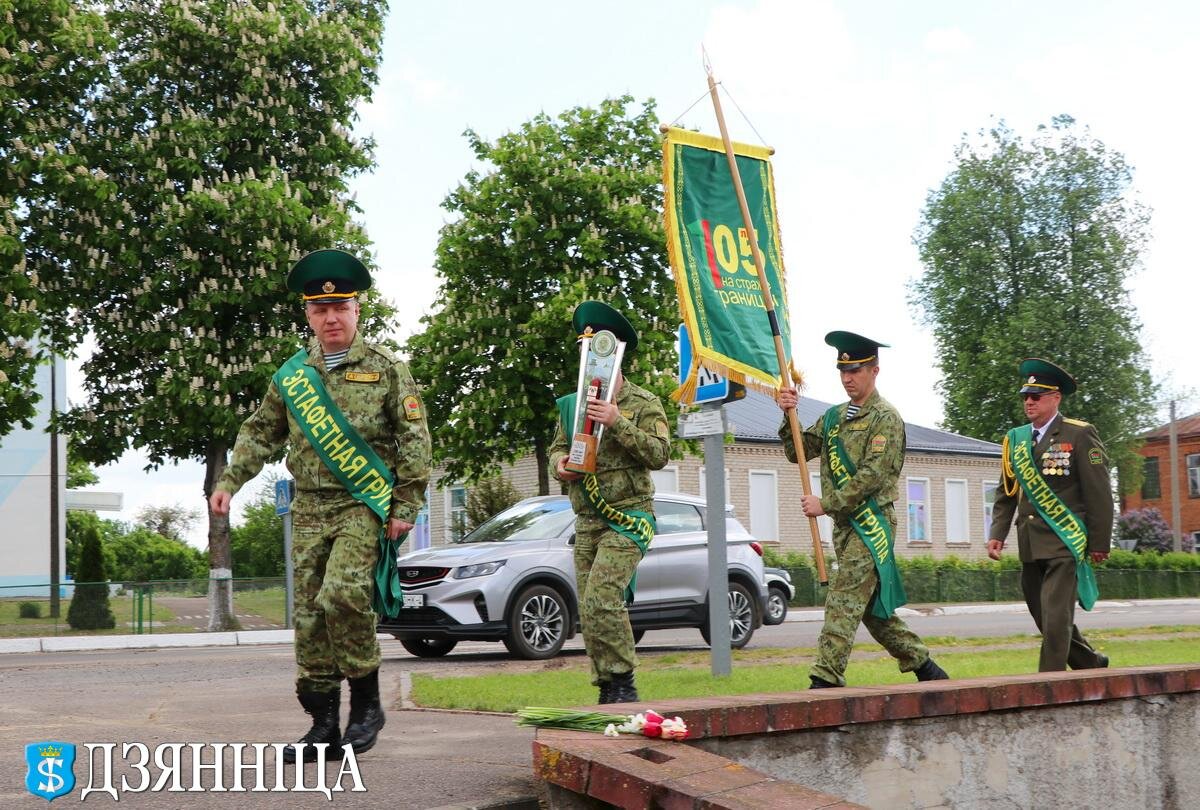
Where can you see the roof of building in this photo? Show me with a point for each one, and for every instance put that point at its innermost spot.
(757, 418)
(1187, 426)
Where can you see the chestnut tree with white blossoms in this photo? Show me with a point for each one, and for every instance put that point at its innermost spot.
(222, 138)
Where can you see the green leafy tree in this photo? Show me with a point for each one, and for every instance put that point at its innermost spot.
(488, 497)
(1028, 248)
(258, 543)
(142, 555)
(89, 608)
(568, 208)
(79, 472)
(51, 54)
(222, 132)
(78, 523)
(171, 521)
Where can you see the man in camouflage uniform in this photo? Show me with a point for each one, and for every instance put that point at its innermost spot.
(873, 435)
(636, 440)
(1071, 458)
(336, 537)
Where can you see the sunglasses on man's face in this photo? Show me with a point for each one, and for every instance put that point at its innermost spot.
(1034, 397)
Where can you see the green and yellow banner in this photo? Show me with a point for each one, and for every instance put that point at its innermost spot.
(711, 256)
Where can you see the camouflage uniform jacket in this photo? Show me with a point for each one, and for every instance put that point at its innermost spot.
(874, 440)
(638, 442)
(376, 409)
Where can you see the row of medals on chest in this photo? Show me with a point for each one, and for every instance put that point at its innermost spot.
(1057, 459)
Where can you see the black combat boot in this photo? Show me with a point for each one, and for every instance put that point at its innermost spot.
(820, 683)
(623, 689)
(325, 709)
(366, 713)
(606, 690)
(930, 671)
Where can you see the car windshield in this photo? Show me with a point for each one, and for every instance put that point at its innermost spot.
(539, 520)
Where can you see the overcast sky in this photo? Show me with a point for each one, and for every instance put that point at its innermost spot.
(864, 103)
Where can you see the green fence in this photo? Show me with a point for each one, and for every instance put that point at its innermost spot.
(934, 585)
(166, 606)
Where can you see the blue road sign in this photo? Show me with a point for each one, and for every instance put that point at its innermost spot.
(711, 387)
(284, 491)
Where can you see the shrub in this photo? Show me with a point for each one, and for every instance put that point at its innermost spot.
(89, 608)
(29, 610)
(1146, 527)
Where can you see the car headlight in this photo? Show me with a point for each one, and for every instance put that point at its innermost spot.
(478, 570)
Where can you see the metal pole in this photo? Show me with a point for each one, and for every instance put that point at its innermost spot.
(718, 557)
(1176, 521)
(289, 582)
(55, 562)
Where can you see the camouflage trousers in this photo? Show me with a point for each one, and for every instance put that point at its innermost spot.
(335, 543)
(604, 563)
(848, 604)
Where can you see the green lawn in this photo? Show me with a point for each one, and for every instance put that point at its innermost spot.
(681, 675)
(270, 603)
(13, 626)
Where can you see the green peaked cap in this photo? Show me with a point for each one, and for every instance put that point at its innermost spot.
(600, 315)
(1040, 376)
(854, 350)
(328, 275)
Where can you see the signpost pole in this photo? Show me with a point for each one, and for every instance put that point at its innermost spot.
(285, 490)
(718, 556)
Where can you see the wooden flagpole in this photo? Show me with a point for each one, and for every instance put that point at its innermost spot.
(769, 304)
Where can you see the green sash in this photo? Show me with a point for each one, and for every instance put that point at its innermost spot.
(869, 523)
(638, 527)
(350, 459)
(1068, 527)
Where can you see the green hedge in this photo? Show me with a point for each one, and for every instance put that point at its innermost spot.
(1124, 575)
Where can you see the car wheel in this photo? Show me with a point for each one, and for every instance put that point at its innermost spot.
(741, 617)
(428, 647)
(537, 623)
(777, 606)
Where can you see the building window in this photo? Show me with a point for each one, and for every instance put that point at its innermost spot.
(1151, 488)
(989, 502)
(704, 485)
(958, 529)
(764, 505)
(1196, 542)
(456, 513)
(824, 522)
(918, 510)
(419, 537)
(666, 479)
(1193, 469)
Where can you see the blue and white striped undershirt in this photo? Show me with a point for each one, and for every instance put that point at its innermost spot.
(334, 359)
(852, 411)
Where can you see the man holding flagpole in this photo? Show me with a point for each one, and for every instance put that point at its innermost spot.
(861, 445)
(359, 450)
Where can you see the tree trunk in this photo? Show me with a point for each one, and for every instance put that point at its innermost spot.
(542, 454)
(220, 557)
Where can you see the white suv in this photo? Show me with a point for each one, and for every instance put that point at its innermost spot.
(512, 579)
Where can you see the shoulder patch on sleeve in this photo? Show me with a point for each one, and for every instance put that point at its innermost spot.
(661, 430)
(412, 408)
(878, 443)
(1077, 422)
(1096, 456)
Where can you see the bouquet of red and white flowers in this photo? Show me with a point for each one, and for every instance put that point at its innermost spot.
(648, 723)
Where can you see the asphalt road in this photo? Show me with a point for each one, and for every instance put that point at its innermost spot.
(424, 759)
